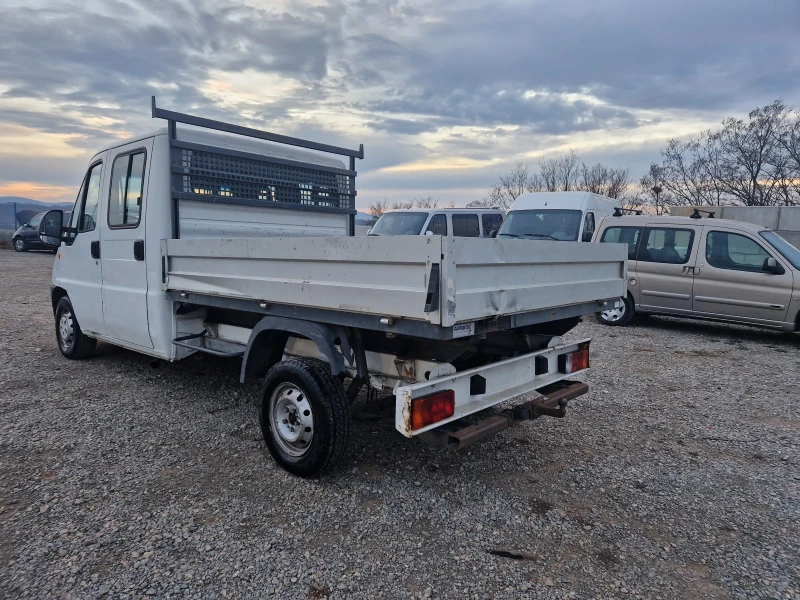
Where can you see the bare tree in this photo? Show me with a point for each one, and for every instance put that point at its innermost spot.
(377, 208)
(426, 202)
(604, 180)
(652, 192)
(402, 205)
(560, 174)
(508, 188)
(789, 141)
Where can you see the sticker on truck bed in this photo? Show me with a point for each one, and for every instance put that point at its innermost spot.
(463, 330)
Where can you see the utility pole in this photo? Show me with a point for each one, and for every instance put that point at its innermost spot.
(657, 192)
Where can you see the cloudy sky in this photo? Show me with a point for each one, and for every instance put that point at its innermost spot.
(443, 95)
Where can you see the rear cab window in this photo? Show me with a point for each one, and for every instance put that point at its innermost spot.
(669, 245)
(127, 184)
(466, 225)
(623, 235)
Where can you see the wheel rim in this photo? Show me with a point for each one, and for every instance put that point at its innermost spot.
(19, 245)
(292, 419)
(616, 313)
(66, 331)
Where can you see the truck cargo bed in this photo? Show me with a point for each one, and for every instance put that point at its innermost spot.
(440, 281)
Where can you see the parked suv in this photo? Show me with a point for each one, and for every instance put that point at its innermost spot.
(705, 268)
(459, 222)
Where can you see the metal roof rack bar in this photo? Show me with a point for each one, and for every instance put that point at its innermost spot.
(169, 115)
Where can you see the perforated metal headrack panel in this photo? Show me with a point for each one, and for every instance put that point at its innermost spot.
(206, 172)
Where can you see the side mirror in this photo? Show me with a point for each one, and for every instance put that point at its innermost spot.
(493, 233)
(50, 228)
(771, 266)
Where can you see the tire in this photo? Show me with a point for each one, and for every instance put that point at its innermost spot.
(19, 245)
(619, 317)
(313, 436)
(71, 340)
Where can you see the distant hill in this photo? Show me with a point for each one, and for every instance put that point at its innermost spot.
(363, 218)
(30, 202)
(26, 209)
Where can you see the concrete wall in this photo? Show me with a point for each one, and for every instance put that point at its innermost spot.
(785, 220)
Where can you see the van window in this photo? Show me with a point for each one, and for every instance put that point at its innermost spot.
(36, 221)
(466, 225)
(438, 225)
(588, 227)
(734, 252)
(547, 223)
(491, 223)
(127, 185)
(623, 235)
(666, 245)
(400, 223)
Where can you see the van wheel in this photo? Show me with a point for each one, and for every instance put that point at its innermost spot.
(71, 340)
(618, 316)
(19, 245)
(305, 416)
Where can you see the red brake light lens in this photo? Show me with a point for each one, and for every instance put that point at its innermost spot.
(432, 408)
(574, 361)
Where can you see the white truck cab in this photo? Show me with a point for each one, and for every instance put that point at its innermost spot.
(458, 222)
(234, 246)
(562, 216)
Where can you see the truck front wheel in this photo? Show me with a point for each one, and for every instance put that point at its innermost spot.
(305, 416)
(71, 340)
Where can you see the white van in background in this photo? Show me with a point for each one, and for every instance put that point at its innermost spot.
(458, 222)
(562, 216)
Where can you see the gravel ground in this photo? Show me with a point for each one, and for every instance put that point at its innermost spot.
(675, 477)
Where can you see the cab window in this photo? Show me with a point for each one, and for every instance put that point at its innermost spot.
(588, 227)
(127, 184)
(623, 235)
(84, 214)
(734, 252)
(666, 245)
(491, 223)
(437, 225)
(466, 225)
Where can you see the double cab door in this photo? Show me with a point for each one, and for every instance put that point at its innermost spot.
(102, 264)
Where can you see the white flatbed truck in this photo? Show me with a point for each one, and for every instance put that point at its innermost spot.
(240, 245)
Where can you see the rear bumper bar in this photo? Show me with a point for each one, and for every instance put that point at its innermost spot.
(483, 387)
(553, 404)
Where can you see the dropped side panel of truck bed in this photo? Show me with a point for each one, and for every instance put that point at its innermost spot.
(379, 276)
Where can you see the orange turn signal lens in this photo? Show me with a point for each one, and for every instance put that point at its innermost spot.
(432, 408)
(574, 361)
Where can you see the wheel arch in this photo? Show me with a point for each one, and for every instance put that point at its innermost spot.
(268, 341)
(56, 294)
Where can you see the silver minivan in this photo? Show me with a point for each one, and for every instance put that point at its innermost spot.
(705, 268)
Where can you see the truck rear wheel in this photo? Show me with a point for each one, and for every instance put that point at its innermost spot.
(71, 340)
(305, 416)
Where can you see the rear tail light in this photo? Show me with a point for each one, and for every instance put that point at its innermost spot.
(574, 361)
(432, 408)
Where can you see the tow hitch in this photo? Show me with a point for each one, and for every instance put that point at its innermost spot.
(553, 403)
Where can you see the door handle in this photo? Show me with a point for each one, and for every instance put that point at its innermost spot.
(691, 270)
(94, 248)
(138, 249)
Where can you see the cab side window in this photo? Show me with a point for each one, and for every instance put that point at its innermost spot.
(127, 184)
(588, 227)
(734, 252)
(623, 235)
(466, 225)
(438, 225)
(491, 223)
(666, 245)
(84, 213)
